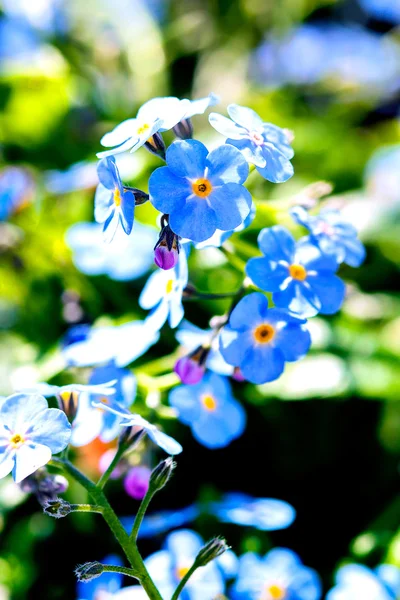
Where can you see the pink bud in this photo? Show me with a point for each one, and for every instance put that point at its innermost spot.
(188, 370)
(136, 483)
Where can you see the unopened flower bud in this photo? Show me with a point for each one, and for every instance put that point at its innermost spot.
(156, 145)
(161, 474)
(130, 436)
(166, 251)
(191, 368)
(136, 482)
(57, 508)
(89, 571)
(211, 550)
(237, 374)
(140, 196)
(68, 402)
(184, 129)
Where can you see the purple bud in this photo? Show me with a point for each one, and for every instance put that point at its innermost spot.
(189, 370)
(166, 251)
(136, 483)
(164, 258)
(237, 374)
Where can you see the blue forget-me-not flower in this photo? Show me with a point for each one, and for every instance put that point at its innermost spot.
(357, 582)
(30, 432)
(127, 258)
(201, 191)
(279, 575)
(209, 408)
(163, 293)
(301, 278)
(259, 340)
(332, 234)
(91, 421)
(168, 566)
(262, 144)
(114, 205)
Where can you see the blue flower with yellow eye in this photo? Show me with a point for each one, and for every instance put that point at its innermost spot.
(259, 340)
(209, 408)
(114, 204)
(358, 582)
(201, 191)
(301, 278)
(158, 114)
(163, 293)
(168, 566)
(30, 432)
(263, 144)
(279, 575)
(332, 234)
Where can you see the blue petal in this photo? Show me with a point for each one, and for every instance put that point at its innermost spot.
(20, 410)
(311, 257)
(355, 252)
(233, 345)
(390, 575)
(184, 400)
(330, 291)
(226, 127)
(167, 191)
(265, 274)
(107, 173)
(187, 158)
(164, 441)
(294, 341)
(278, 168)
(120, 134)
(226, 164)
(7, 460)
(216, 431)
(183, 545)
(176, 310)
(299, 298)
(51, 429)
(198, 107)
(251, 152)
(103, 204)
(127, 213)
(262, 364)
(231, 203)
(278, 138)
(248, 313)
(28, 459)
(195, 220)
(277, 243)
(245, 117)
(306, 584)
(170, 110)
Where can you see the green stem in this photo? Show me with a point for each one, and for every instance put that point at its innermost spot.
(164, 382)
(140, 514)
(234, 260)
(107, 473)
(184, 581)
(131, 551)
(86, 508)
(123, 570)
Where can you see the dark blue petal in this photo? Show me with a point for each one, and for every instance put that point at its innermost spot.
(107, 173)
(127, 211)
(233, 345)
(231, 203)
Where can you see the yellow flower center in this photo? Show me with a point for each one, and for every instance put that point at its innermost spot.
(143, 128)
(169, 286)
(17, 440)
(202, 187)
(264, 333)
(181, 572)
(298, 272)
(209, 402)
(276, 592)
(117, 197)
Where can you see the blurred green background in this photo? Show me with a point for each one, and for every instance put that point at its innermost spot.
(326, 436)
